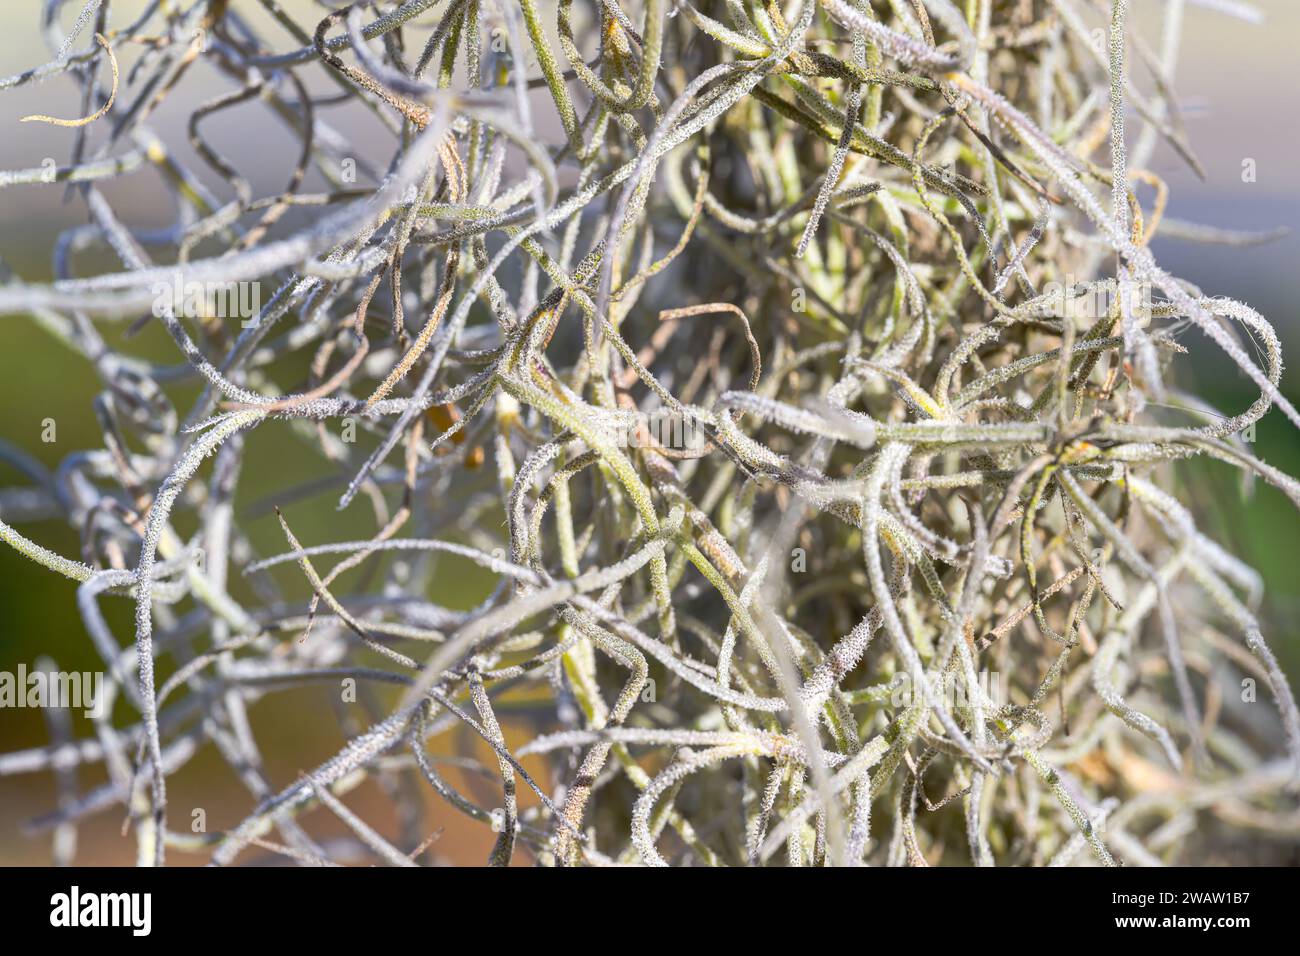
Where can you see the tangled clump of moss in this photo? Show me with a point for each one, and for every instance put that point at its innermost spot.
(789, 367)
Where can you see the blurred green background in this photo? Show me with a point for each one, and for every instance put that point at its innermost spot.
(1235, 80)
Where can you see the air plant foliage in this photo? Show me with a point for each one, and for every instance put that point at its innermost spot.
(792, 369)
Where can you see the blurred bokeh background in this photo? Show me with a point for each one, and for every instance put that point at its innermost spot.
(1237, 84)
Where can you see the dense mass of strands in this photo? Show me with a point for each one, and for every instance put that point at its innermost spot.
(884, 267)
